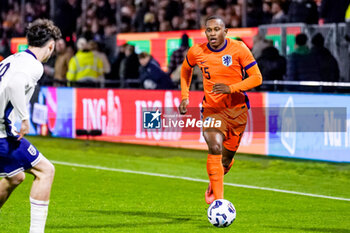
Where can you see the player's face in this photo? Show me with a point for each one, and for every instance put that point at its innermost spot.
(216, 32)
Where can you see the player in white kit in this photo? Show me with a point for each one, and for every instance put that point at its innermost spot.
(19, 74)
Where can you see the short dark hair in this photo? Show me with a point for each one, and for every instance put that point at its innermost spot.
(215, 17)
(130, 47)
(41, 31)
(143, 55)
(301, 39)
(318, 40)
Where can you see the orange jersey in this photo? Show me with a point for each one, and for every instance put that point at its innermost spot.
(221, 66)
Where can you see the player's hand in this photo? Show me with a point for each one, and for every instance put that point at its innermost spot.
(24, 129)
(183, 106)
(221, 88)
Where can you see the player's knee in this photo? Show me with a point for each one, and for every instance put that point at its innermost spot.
(18, 179)
(214, 141)
(49, 171)
(215, 149)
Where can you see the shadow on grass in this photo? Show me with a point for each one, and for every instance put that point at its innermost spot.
(168, 217)
(159, 215)
(113, 226)
(314, 229)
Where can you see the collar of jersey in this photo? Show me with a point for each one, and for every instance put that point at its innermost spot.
(31, 53)
(217, 50)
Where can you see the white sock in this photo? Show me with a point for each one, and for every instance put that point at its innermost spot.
(38, 214)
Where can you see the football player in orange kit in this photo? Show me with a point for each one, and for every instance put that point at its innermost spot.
(221, 61)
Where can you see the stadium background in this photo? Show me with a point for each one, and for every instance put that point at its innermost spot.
(70, 109)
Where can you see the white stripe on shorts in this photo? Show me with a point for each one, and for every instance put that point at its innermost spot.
(37, 160)
(15, 172)
(21, 169)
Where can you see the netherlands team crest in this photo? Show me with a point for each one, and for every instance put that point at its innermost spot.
(227, 60)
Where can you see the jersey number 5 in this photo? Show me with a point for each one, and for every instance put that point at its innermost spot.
(205, 71)
(3, 69)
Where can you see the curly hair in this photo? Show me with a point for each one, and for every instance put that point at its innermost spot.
(41, 31)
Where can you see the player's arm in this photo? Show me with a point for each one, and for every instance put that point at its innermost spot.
(249, 64)
(18, 100)
(254, 79)
(186, 78)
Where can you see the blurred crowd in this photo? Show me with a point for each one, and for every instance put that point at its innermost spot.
(306, 63)
(97, 20)
(89, 66)
(106, 17)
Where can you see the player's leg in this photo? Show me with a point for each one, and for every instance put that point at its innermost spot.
(214, 139)
(10, 168)
(24, 156)
(44, 173)
(40, 194)
(232, 140)
(8, 184)
(227, 159)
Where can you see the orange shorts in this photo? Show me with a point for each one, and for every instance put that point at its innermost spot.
(232, 128)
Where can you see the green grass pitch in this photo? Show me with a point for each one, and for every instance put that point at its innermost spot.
(95, 200)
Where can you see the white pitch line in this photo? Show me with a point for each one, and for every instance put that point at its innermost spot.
(196, 179)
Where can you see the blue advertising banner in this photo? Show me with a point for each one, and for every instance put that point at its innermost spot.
(51, 112)
(309, 126)
(306, 126)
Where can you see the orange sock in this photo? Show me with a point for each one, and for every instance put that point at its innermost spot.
(216, 175)
(227, 169)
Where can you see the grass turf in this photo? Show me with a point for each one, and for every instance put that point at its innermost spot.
(92, 200)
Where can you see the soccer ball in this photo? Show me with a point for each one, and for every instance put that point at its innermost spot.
(221, 213)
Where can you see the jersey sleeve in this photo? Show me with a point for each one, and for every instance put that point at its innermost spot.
(191, 57)
(186, 73)
(254, 79)
(254, 75)
(246, 57)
